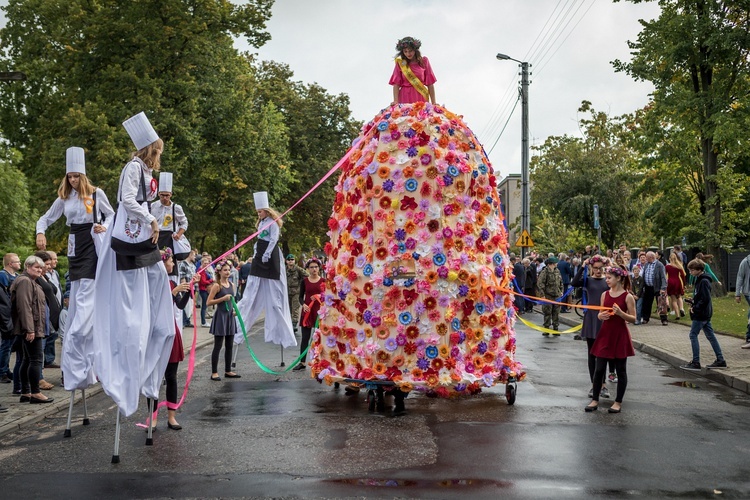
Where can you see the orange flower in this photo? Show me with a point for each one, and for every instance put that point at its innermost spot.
(460, 186)
(418, 127)
(408, 172)
(384, 172)
(383, 157)
(443, 141)
(383, 333)
(488, 357)
(486, 209)
(459, 245)
(455, 376)
(463, 275)
(448, 243)
(388, 304)
(478, 335)
(441, 329)
(333, 355)
(377, 191)
(417, 374)
(478, 363)
(379, 368)
(474, 295)
(444, 350)
(398, 360)
(490, 247)
(432, 380)
(473, 280)
(410, 227)
(432, 172)
(432, 276)
(480, 219)
(383, 356)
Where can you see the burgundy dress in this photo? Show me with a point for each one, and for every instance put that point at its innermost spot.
(178, 351)
(311, 291)
(675, 280)
(613, 340)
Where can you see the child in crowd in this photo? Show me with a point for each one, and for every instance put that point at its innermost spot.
(701, 310)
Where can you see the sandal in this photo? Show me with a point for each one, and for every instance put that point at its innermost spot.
(232, 375)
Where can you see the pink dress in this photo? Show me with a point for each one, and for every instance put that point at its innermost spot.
(407, 93)
(613, 340)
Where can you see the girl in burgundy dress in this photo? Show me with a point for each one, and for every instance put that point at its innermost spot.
(311, 294)
(613, 341)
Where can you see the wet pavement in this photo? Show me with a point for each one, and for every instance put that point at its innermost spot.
(287, 436)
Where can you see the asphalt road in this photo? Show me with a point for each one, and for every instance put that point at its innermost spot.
(290, 437)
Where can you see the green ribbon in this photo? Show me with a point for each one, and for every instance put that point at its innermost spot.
(252, 353)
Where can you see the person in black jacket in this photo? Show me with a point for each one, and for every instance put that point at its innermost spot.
(530, 283)
(701, 310)
(519, 273)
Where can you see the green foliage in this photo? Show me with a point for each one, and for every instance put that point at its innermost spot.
(15, 204)
(570, 175)
(693, 134)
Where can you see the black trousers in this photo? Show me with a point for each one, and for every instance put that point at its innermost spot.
(648, 302)
(228, 341)
(622, 377)
(592, 362)
(306, 333)
(170, 376)
(31, 365)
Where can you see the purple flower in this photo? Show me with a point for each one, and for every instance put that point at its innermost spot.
(463, 290)
(390, 344)
(330, 341)
(423, 364)
(499, 272)
(443, 301)
(395, 135)
(375, 321)
(411, 243)
(447, 180)
(442, 272)
(400, 234)
(419, 308)
(447, 232)
(361, 336)
(411, 151)
(410, 133)
(424, 204)
(488, 380)
(460, 387)
(461, 337)
(448, 209)
(367, 316)
(401, 339)
(476, 205)
(482, 347)
(425, 159)
(388, 185)
(342, 295)
(485, 234)
(455, 352)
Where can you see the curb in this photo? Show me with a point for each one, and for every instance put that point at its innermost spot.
(676, 361)
(61, 405)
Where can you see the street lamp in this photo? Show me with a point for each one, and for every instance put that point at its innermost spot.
(525, 222)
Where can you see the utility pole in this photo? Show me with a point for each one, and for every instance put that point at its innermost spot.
(525, 204)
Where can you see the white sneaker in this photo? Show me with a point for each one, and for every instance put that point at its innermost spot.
(671, 313)
(745, 346)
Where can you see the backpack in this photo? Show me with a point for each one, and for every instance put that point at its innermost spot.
(6, 319)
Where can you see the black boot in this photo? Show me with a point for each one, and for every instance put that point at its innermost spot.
(399, 409)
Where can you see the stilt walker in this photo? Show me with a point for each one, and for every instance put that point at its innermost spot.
(172, 223)
(88, 213)
(133, 316)
(266, 289)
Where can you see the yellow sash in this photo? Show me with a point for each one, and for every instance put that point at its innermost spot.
(412, 78)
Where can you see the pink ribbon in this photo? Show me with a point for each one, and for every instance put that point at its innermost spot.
(191, 358)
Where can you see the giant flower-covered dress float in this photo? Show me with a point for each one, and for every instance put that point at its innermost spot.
(417, 274)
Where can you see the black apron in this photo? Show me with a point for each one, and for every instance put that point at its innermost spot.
(150, 257)
(166, 241)
(83, 259)
(271, 269)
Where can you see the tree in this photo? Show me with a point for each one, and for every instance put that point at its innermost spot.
(696, 55)
(14, 203)
(570, 175)
(320, 130)
(91, 65)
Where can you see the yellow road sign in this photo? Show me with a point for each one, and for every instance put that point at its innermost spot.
(524, 240)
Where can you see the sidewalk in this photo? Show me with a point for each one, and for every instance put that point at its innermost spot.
(671, 344)
(25, 414)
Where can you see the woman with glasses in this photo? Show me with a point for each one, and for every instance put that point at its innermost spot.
(590, 278)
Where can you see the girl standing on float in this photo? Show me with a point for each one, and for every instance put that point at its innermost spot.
(266, 286)
(613, 343)
(133, 319)
(88, 213)
(223, 324)
(311, 295)
(412, 78)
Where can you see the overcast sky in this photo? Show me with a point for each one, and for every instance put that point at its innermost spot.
(347, 46)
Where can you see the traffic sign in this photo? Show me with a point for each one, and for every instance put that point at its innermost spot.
(524, 240)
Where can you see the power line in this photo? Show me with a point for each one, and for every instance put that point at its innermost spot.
(506, 124)
(543, 64)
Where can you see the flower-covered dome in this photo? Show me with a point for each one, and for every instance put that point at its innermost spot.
(417, 274)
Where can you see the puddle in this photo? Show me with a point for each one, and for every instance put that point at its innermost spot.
(686, 384)
(420, 483)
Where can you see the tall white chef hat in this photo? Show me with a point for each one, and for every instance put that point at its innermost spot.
(75, 162)
(261, 200)
(140, 130)
(165, 182)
